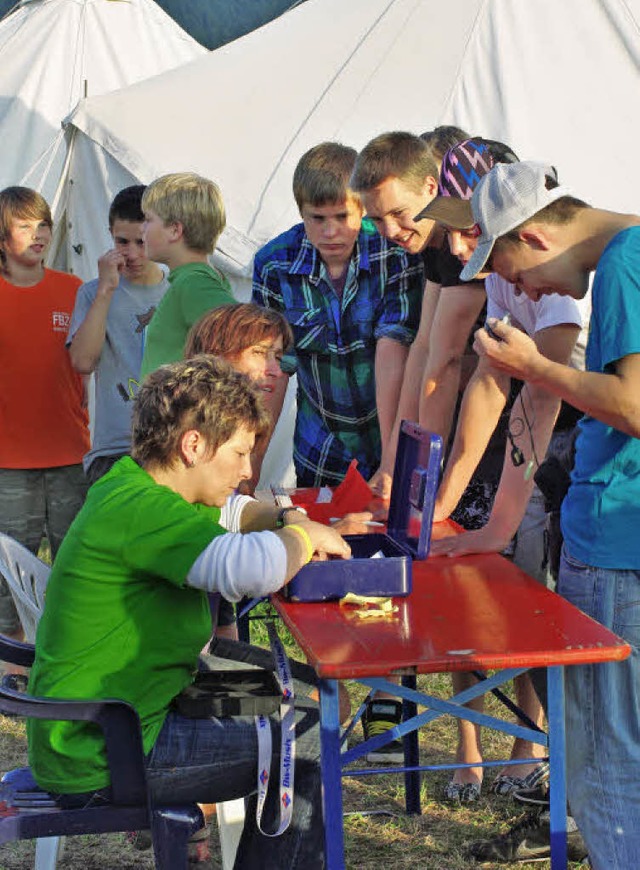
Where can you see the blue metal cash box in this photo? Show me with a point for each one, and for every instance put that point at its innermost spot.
(415, 483)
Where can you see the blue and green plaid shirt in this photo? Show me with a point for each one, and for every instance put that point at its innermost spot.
(335, 342)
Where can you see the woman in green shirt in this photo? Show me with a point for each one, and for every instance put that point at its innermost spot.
(127, 612)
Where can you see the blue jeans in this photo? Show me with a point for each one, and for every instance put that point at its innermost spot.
(530, 540)
(210, 760)
(603, 719)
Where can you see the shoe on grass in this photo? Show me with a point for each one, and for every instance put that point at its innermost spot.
(528, 840)
(505, 784)
(379, 716)
(538, 796)
(461, 792)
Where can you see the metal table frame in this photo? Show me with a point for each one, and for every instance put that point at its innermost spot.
(466, 614)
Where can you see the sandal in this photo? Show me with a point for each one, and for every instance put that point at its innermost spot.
(504, 784)
(462, 792)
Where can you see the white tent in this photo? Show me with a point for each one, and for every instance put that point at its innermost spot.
(53, 53)
(557, 80)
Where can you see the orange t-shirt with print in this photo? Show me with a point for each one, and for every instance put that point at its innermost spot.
(43, 421)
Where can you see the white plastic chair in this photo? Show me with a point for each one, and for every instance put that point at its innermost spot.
(230, 816)
(27, 577)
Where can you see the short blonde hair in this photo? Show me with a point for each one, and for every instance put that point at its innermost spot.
(191, 200)
(203, 393)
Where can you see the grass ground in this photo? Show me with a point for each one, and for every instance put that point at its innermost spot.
(435, 840)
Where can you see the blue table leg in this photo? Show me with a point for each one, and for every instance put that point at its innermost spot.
(557, 764)
(331, 768)
(411, 753)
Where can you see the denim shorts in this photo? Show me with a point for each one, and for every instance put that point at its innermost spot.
(603, 718)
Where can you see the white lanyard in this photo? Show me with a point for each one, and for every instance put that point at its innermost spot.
(288, 742)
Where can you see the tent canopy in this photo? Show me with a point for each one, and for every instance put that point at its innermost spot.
(551, 79)
(53, 53)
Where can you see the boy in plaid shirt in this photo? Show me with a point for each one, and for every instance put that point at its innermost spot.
(353, 302)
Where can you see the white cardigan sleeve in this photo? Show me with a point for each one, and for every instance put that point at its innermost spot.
(237, 565)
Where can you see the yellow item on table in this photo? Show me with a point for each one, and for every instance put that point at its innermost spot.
(370, 607)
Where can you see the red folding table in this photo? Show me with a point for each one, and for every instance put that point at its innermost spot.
(464, 614)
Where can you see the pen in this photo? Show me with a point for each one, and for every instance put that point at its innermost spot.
(371, 523)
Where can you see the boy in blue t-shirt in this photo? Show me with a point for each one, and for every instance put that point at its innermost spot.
(545, 241)
(106, 336)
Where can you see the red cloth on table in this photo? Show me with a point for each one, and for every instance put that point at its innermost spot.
(351, 496)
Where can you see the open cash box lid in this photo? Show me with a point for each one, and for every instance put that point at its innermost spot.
(413, 493)
(415, 483)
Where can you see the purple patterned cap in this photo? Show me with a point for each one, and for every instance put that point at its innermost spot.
(462, 168)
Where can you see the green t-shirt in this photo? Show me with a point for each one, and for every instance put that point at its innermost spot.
(118, 620)
(194, 289)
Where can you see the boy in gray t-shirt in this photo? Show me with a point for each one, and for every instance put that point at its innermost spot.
(107, 329)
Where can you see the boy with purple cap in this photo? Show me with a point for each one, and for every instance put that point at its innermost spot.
(545, 241)
(554, 324)
(515, 514)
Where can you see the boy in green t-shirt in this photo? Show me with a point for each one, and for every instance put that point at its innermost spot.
(184, 216)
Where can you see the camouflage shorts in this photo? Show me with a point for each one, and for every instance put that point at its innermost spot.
(36, 503)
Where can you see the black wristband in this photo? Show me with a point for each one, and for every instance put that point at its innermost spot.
(284, 511)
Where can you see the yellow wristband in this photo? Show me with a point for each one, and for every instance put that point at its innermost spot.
(304, 534)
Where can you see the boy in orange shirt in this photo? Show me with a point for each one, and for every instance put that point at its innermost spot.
(43, 420)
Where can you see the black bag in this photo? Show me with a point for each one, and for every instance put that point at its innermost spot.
(553, 479)
(246, 691)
